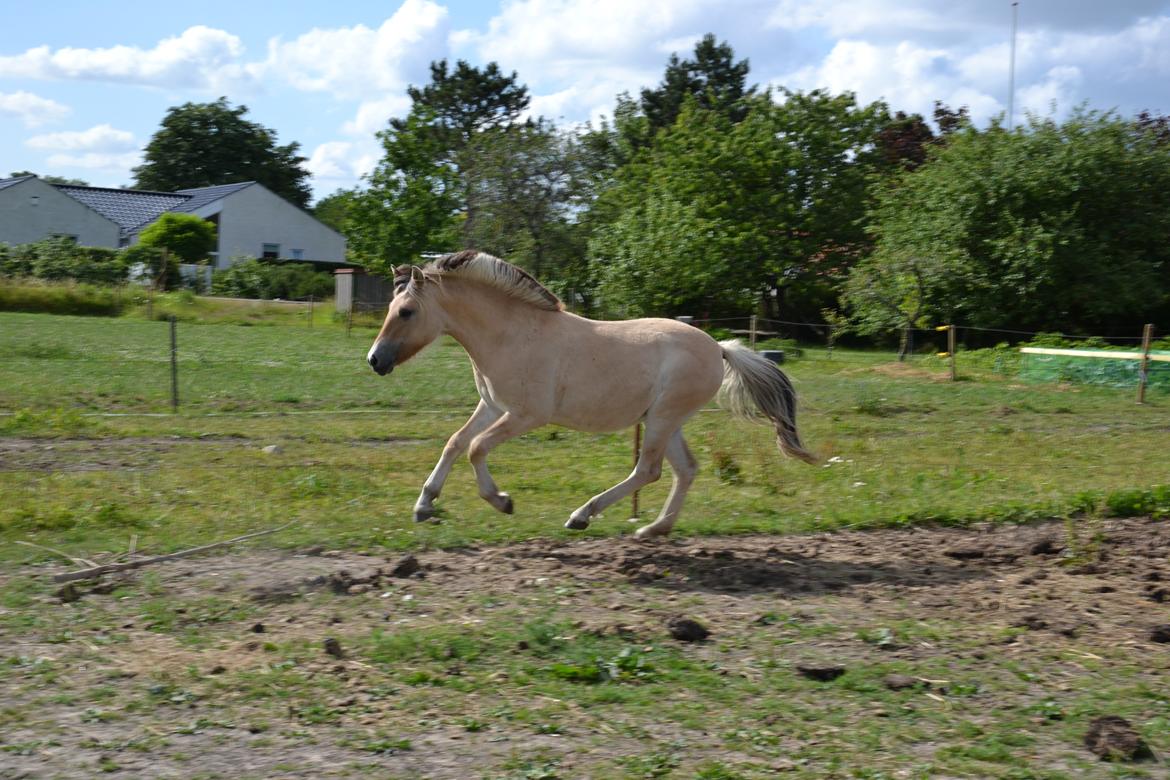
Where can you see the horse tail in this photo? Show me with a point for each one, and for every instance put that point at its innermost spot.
(753, 384)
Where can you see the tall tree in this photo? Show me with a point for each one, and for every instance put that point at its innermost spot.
(204, 144)
(334, 208)
(766, 210)
(1050, 227)
(461, 169)
(712, 77)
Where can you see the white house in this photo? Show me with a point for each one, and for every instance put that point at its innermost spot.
(250, 220)
(31, 210)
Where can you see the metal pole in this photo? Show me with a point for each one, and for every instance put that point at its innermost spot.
(1144, 367)
(1012, 69)
(174, 365)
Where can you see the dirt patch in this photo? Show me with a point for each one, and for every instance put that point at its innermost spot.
(986, 602)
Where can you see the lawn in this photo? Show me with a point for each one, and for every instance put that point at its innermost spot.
(548, 657)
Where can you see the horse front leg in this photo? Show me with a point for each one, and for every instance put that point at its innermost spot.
(507, 427)
(483, 416)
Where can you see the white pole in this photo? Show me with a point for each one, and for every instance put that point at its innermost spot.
(1011, 112)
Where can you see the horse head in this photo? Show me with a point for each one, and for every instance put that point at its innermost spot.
(411, 323)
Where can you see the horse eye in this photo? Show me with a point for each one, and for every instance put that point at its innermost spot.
(406, 314)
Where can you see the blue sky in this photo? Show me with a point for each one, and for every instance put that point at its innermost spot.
(83, 85)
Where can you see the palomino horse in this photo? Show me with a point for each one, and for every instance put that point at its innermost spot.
(536, 364)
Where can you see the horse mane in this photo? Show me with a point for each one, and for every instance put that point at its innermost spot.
(486, 269)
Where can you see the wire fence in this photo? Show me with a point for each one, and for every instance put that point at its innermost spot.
(939, 349)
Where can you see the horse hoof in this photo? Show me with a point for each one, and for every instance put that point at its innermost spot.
(577, 523)
(648, 532)
(508, 507)
(421, 515)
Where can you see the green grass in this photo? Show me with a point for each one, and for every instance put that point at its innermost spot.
(903, 446)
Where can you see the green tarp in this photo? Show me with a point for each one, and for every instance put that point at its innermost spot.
(1093, 370)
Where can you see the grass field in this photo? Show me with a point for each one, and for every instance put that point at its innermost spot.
(547, 660)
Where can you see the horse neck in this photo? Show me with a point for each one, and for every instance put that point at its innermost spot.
(486, 321)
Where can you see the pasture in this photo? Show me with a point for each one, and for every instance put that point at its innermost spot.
(973, 556)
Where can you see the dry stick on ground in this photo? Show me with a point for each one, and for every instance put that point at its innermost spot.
(72, 558)
(97, 571)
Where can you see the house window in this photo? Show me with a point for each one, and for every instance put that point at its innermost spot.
(297, 254)
(270, 252)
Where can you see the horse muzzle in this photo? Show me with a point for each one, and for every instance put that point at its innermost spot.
(381, 357)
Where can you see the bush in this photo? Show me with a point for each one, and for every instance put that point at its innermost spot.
(251, 278)
(59, 259)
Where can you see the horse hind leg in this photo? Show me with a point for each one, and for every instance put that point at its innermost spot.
(684, 466)
(647, 470)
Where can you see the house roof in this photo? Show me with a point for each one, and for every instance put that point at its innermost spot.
(4, 183)
(130, 209)
(201, 196)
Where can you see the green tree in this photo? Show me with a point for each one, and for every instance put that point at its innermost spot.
(434, 182)
(334, 208)
(179, 238)
(411, 204)
(712, 77)
(774, 201)
(205, 144)
(1050, 227)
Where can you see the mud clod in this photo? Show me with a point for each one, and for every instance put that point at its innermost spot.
(687, 630)
(821, 672)
(1160, 634)
(1114, 739)
(406, 566)
(333, 648)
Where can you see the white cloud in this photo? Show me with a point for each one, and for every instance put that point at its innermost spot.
(343, 161)
(200, 57)
(374, 115)
(353, 61)
(32, 110)
(101, 138)
(116, 163)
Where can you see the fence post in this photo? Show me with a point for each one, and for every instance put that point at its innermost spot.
(752, 328)
(174, 365)
(950, 353)
(310, 311)
(349, 319)
(1144, 366)
(637, 452)
(951, 348)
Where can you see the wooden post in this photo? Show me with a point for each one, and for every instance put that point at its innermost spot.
(174, 366)
(752, 328)
(637, 452)
(951, 348)
(1144, 366)
(310, 311)
(349, 319)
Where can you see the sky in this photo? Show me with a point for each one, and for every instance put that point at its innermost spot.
(84, 84)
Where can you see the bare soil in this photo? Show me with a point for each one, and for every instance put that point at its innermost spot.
(1017, 594)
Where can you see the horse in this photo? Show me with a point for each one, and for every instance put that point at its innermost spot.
(537, 364)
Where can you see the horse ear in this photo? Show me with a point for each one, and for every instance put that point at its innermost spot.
(416, 275)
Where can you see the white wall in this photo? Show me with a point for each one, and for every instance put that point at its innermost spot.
(253, 216)
(32, 210)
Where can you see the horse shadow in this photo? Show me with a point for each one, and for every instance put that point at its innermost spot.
(769, 570)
